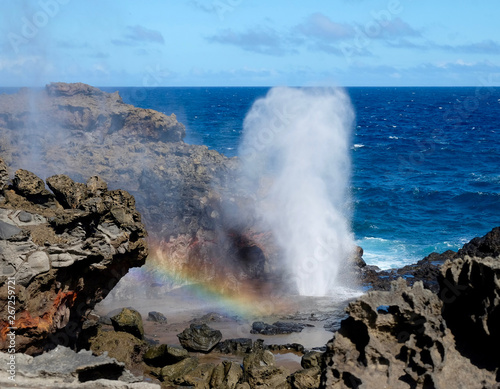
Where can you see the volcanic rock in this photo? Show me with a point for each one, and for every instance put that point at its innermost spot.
(306, 379)
(199, 377)
(410, 337)
(129, 320)
(235, 346)
(162, 355)
(199, 337)
(157, 317)
(172, 372)
(181, 190)
(277, 328)
(4, 174)
(62, 260)
(120, 345)
(226, 375)
(63, 368)
(428, 269)
(311, 359)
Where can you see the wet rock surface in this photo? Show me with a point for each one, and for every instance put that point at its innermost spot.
(199, 337)
(276, 328)
(61, 259)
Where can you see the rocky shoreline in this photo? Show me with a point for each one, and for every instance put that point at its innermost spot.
(435, 324)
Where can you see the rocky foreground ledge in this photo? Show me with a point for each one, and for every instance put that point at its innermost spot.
(61, 252)
(410, 337)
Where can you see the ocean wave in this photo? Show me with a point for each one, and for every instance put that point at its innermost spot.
(357, 146)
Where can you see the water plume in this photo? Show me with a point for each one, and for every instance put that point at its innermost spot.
(295, 155)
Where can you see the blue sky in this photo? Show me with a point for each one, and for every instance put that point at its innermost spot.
(250, 42)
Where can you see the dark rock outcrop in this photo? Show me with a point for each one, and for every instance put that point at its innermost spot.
(428, 269)
(280, 327)
(157, 317)
(62, 258)
(410, 337)
(199, 337)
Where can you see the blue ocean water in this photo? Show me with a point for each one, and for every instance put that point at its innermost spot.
(426, 160)
(426, 171)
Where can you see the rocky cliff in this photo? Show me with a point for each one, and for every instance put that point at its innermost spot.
(179, 188)
(410, 337)
(61, 251)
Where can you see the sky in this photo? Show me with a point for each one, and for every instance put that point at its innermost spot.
(250, 42)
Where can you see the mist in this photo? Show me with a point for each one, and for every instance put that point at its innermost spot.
(295, 154)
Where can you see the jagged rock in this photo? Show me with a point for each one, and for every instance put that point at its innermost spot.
(69, 193)
(172, 372)
(268, 377)
(295, 347)
(277, 328)
(129, 320)
(63, 260)
(306, 379)
(180, 188)
(258, 357)
(235, 346)
(63, 368)
(486, 246)
(428, 270)
(260, 370)
(198, 378)
(4, 174)
(311, 359)
(199, 337)
(157, 317)
(122, 346)
(399, 339)
(162, 355)
(28, 184)
(226, 375)
(470, 291)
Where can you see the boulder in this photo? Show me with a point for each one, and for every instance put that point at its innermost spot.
(311, 359)
(69, 193)
(199, 337)
(122, 346)
(306, 379)
(129, 320)
(226, 375)
(235, 346)
(198, 378)
(157, 317)
(172, 372)
(162, 355)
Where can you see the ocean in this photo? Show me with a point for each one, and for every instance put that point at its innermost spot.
(425, 161)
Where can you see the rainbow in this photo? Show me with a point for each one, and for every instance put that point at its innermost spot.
(243, 298)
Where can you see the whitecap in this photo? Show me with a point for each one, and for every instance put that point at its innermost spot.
(358, 145)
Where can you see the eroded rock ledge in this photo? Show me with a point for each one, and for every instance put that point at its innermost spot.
(410, 337)
(61, 252)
